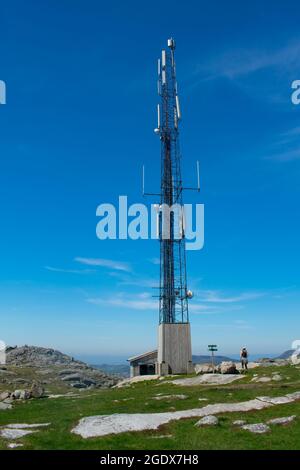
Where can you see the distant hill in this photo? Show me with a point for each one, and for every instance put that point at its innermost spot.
(50, 366)
(206, 359)
(38, 356)
(286, 354)
(121, 370)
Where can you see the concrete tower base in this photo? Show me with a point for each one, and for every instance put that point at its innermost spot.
(174, 349)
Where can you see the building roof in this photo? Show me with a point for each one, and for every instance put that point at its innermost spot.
(141, 356)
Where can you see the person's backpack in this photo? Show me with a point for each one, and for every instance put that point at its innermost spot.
(244, 353)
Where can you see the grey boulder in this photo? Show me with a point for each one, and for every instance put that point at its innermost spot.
(283, 420)
(71, 378)
(5, 406)
(4, 396)
(258, 428)
(209, 420)
(25, 395)
(239, 422)
(78, 385)
(204, 368)
(228, 367)
(37, 390)
(16, 395)
(88, 382)
(295, 357)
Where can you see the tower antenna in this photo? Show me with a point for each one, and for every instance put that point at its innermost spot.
(174, 342)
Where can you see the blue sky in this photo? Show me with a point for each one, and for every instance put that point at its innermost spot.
(75, 132)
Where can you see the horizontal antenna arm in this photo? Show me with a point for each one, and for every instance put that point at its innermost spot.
(143, 185)
(198, 181)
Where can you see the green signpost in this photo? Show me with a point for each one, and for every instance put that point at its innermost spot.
(212, 348)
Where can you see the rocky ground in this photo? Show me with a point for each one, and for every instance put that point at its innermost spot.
(33, 372)
(40, 409)
(95, 426)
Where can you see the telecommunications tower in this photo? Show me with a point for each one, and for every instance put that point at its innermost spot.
(174, 335)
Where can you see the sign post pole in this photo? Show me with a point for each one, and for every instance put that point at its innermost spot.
(213, 348)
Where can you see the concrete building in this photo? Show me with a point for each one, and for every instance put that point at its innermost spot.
(174, 349)
(144, 364)
(174, 354)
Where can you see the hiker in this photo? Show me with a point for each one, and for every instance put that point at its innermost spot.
(244, 358)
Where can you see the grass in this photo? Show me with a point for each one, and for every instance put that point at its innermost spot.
(64, 413)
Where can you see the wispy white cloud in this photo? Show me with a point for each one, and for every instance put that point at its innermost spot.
(140, 282)
(287, 147)
(69, 271)
(107, 263)
(285, 156)
(141, 301)
(144, 301)
(294, 132)
(205, 302)
(155, 261)
(202, 309)
(241, 62)
(262, 74)
(218, 297)
(133, 280)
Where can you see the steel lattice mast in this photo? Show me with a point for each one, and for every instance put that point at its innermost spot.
(173, 302)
